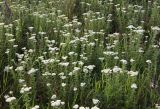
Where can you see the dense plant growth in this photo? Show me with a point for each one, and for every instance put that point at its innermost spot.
(79, 54)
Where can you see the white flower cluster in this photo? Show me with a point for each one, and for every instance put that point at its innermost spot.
(35, 107)
(31, 71)
(132, 73)
(9, 99)
(57, 103)
(95, 102)
(25, 89)
(134, 86)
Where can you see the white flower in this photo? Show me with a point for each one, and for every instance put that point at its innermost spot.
(25, 89)
(10, 99)
(75, 89)
(15, 46)
(10, 92)
(71, 53)
(64, 57)
(32, 70)
(30, 28)
(116, 57)
(110, 53)
(20, 68)
(42, 33)
(1, 24)
(91, 44)
(70, 73)
(157, 106)
(140, 50)
(35, 107)
(48, 84)
(85, 70)
(155, 28)
(65, 64)
(132, 73)
(30, 51)
(106, 71)
(61, 74)
(7, 68)
(95, 107)
(11, 40)
(134, 86)
(139, 31)
(90, 67)
(76, 69)
(80, 63)
(95, 101)
(82, 84)
(149, 61)
(46, 74)
(116, 69)
(63, 84)
(132, 60)
(62, 103)
(75, 106)
(131, 27)
(63, 77)
(53, 97)
(123, 61)
(6, 96)
(101, 58)
(81, 107)
(21, 80)
(56, 103)
(53, 74)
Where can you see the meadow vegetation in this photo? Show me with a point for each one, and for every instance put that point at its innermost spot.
(80, 54)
